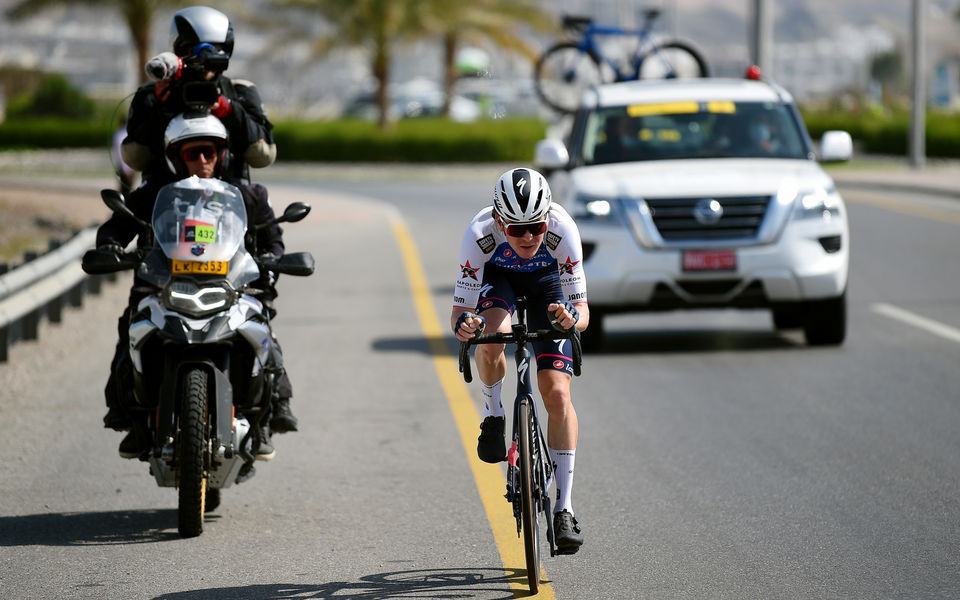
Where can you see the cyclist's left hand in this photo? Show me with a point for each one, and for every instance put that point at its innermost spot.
(563, 315)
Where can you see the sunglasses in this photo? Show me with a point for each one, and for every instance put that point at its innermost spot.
(518, 230)
(194, 153)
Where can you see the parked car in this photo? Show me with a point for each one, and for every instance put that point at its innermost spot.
(704, 193)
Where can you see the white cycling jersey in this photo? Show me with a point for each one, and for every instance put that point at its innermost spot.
(484, 243)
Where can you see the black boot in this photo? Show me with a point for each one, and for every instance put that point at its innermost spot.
(282, 420)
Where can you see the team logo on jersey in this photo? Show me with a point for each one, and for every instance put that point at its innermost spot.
(553, 240)
(487, 244)
(507, 253)
(558, 364)
(468, 271)
(487, 304)
(567, 267)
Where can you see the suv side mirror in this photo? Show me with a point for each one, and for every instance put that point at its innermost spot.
(836, 146)
(550, 154)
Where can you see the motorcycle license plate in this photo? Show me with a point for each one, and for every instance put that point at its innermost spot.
(717, 260)
(214, 267)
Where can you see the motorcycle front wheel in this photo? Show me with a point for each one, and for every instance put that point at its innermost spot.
(193, 481)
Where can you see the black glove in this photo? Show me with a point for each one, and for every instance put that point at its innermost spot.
(111, 247)
(570, 308)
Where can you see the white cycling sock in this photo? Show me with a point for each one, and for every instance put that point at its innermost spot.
(491, 399)
(563, 474)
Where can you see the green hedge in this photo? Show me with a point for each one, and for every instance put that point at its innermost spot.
(50, 132)
(883, 133)
(409, 140)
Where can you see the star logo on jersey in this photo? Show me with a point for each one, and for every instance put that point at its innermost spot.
(468, 271)
(567, 267)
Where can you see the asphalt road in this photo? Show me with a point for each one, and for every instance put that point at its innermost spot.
(717, 458)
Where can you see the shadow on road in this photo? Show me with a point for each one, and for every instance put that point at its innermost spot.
(485, 584)
(90, 528)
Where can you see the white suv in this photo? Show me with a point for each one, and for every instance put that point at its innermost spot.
(704, 193)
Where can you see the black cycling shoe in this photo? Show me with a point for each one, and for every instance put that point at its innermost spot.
(491, 447)
(116, 419)
(566, 533)
(283, 419)
(130, 446)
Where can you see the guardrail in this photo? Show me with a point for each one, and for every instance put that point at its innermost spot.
(42, 286)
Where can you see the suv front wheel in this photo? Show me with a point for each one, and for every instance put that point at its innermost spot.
(825, 321)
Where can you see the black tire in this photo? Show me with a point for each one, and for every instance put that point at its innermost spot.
(193, 482)
(825, 322)
(563, 72)
(528, 505)
(673, 60)
(591, 339)
(787, 318)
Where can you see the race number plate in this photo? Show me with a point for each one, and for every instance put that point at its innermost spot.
(709, 260)
(214, 267)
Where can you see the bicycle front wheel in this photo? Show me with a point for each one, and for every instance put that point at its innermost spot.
(528, 504)
(673, 60)
(563, 72)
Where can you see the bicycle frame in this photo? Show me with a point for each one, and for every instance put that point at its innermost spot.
(645, 46)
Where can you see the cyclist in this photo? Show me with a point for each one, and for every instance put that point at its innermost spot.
(523, 245)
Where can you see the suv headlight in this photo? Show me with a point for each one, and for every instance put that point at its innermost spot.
(189, 298)
(820, 203)
(592, 207)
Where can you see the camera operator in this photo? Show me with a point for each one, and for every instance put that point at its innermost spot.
(191, 79)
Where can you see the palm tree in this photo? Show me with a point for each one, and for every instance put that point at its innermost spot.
(372, 24)
(138, 15)
(499, 21)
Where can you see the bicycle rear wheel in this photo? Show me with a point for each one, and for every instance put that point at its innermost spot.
(673, 60)
(528, 502)
(563, 72)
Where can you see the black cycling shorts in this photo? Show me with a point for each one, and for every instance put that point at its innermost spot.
(500, 289)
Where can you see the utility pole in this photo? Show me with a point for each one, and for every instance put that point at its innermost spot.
(918, 139)
(761, 46)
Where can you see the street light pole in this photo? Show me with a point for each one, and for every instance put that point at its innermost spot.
(918, 106)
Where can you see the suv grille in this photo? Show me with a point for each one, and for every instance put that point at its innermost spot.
(675, 220)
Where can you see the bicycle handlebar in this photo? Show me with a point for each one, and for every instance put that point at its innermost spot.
(530, 336)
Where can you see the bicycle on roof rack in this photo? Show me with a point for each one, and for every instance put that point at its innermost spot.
(529, 471)
(567, 68)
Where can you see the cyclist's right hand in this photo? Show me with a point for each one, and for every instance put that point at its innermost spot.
(469, 325)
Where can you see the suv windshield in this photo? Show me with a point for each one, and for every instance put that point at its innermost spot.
(672, 130)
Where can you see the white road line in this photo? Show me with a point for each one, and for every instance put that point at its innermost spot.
(905, 316)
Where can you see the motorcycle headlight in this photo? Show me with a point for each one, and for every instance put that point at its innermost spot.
(189, 298)
(820, 203)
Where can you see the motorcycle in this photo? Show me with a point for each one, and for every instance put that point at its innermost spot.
(205, 362)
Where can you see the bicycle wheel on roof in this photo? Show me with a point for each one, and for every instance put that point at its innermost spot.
(672, 60)
(563, 72)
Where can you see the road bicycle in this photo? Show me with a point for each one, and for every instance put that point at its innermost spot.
(567, 68)
(529, 470)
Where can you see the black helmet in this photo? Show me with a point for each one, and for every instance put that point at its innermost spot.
(197, 25)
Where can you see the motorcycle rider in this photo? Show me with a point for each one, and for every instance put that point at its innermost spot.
(524, 245)
(195, 144)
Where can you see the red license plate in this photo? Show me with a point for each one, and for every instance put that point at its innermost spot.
(709, 260)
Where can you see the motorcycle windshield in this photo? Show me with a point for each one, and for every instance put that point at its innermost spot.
(199, 220)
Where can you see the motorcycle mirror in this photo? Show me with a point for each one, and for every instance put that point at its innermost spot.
(114, 200)
(295, 212)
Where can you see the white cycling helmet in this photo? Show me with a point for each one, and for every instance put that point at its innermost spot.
(187, 127)
(521, 196)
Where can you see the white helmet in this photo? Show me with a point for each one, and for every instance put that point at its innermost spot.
(521, 196)
(198, 126)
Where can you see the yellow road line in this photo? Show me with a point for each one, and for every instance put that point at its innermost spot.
(490, 480)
